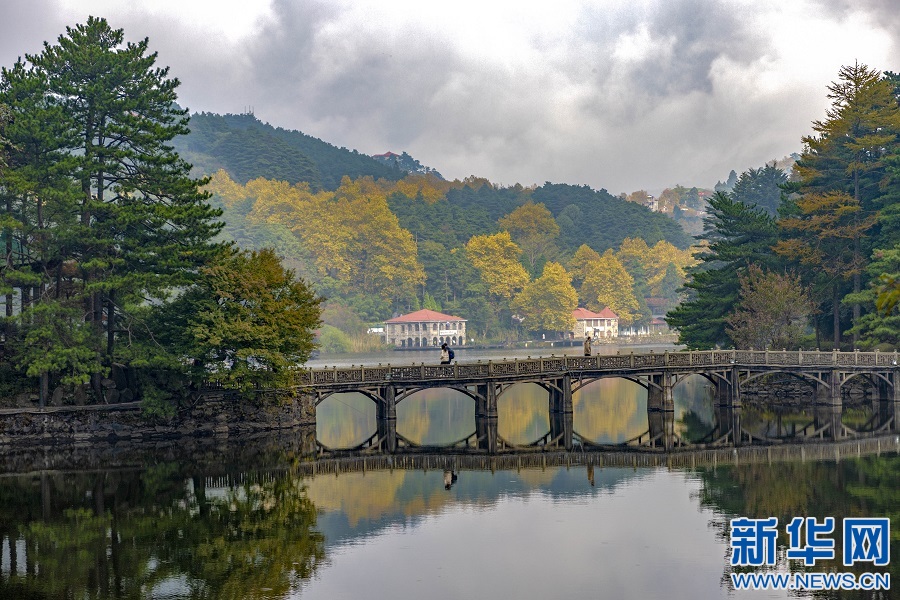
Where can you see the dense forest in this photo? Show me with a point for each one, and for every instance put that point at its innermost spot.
(812, 260)
(399, 231)
(247, 148)
(379, 248)
(382, 236)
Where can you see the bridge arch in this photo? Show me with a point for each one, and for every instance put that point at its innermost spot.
(810, 378)
(435, 416)
(522, 411)
(407, 392)
(712, 377)
(582, 382)
(373, 396)
(873, 378)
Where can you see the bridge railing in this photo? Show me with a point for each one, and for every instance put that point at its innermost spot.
(613, 362)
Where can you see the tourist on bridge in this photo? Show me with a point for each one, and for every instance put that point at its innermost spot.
(587, 346)
(446, 354)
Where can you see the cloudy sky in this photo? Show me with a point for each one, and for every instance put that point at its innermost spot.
(621, 95)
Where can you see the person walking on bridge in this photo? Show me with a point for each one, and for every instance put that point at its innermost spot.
(587, 346)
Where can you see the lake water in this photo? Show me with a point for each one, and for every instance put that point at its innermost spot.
(262, 518)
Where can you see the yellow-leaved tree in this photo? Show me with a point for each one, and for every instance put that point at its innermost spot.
(497, 259)
(580, 265)
(548, 301)
(658, 261)
(609, 284)
(347, 241)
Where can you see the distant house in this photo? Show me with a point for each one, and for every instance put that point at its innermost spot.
(604, 324)
(425, 328)
(658, 325)
(659, 306)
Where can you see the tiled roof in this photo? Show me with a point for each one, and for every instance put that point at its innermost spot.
(583, 313)
(424, 315)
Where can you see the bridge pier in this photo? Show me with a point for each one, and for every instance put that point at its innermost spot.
(662, 428)
(728, 422)
(387, 408)
(889, 399)
(562, 428)
(659, 392)
(486, 401)
(728, 406)
(661, 409)
(387, 433)
(486, 434)
(728, 388)
(829, 406)
(830, 391)
(889, 391)
(561, 396)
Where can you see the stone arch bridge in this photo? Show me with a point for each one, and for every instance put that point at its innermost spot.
(729, 371)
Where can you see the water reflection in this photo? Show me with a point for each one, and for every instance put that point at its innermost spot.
(276, 517)
(158, 531)
(522, 413)
(610, 411)
(253, 523)
(436, 417)
(345, 420)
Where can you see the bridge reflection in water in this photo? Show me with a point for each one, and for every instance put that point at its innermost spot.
(844, 395)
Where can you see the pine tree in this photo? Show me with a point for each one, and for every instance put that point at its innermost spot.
(848, 155)
(738, 235)
(761, 187)
(104, 214)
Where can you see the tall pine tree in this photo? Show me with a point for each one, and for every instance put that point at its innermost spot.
(844, 170)
(738, 235)
(107, 215)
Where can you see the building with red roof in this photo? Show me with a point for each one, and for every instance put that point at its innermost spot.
(425, 328)
(595, 324)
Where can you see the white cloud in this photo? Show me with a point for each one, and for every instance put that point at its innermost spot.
(624, 96)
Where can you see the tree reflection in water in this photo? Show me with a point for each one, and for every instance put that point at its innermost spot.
(219, 528)
(135, 534)
(865, 487)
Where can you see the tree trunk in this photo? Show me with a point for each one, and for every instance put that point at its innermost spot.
(45, 388)
(9, 264)
(836, 314)
(110, 323)
(818, 332)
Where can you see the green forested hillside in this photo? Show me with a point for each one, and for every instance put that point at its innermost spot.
(376, 240)
(247, 148)
(601, 221)
(376, 248)
(584, 215)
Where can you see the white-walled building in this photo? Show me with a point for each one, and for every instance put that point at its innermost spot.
(425, 328)
(604, 324)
